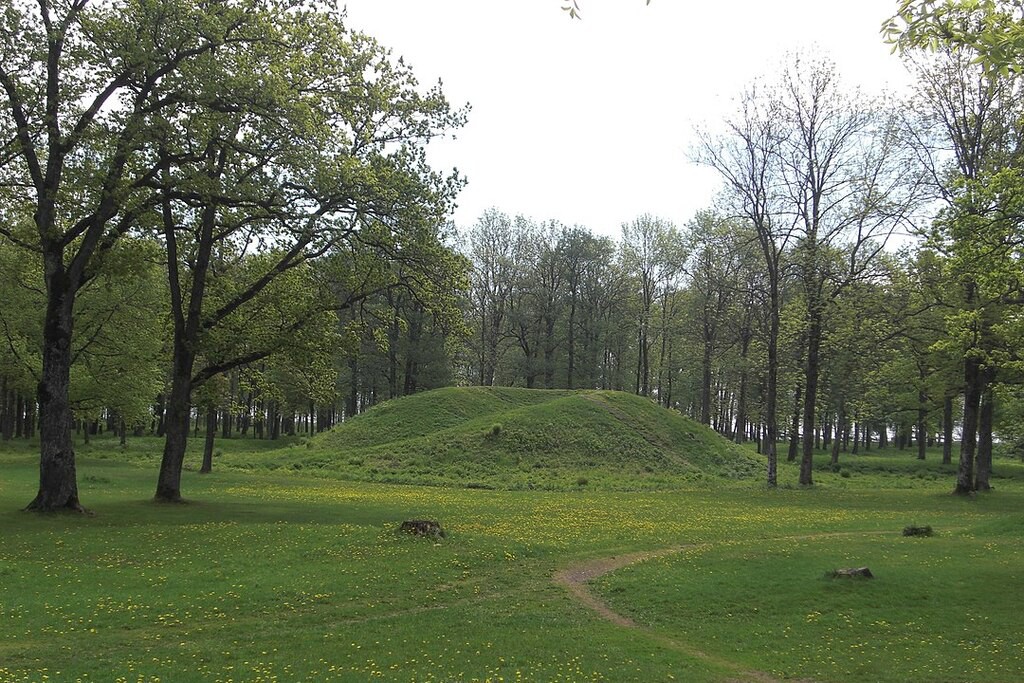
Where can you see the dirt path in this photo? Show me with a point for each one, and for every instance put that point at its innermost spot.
(575, 579)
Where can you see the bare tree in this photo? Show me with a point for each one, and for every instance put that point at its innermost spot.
(746, 154)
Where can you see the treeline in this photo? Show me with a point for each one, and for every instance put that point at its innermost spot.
(235, 231)
(859, 280)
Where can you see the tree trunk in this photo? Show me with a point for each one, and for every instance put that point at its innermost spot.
(549, 352)
(984, 460)
(770, 412)
(161, 412)
(19, 415)
(705, 382)
(571, 341)
(922, 416)
(840, 427)
(741, 398)
(947, 429)
(969, 437)
(6, 412)
(211, 433)
(58, 480)
(177, 417)
(794, 428)
(352, 400)
(186, 334)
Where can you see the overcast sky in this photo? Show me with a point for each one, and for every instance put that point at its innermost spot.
(590, 122)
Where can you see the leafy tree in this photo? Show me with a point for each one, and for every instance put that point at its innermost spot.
(80, 83)
(849, 189)
(713, 269)
(651, 251)
(304, 141)
(492, 249)
(990, 30)
(117, 357)
(746, 155)
(968, 134)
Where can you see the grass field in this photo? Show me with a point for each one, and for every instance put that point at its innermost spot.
(507, 438)
(277, 575)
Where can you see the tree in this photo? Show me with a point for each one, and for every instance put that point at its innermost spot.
(849, 189)
(79, 84)
(746, 155)
(492, 249)
(992, 31)
(968, 134)
(713, 269)
(651, 250)
(294, 145)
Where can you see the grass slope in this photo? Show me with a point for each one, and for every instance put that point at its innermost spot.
(485, 437)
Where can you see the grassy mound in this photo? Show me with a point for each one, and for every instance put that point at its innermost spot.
(506, 438)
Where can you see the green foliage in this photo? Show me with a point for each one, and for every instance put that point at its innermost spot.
(990, 29)
(118, 357)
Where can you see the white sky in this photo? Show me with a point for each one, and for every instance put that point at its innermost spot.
(589, 122)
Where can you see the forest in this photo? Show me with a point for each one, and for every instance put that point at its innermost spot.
(220, 219)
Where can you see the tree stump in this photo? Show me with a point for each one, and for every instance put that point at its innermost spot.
(852, 573)
(422, 527)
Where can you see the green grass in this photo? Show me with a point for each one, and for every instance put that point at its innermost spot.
(486, 437)
(282, 576)
(939, 609)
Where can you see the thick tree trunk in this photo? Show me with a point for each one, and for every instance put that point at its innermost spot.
(412, 367)
(984, 460)
(176, 425)
(58, 480)
(969, 437)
